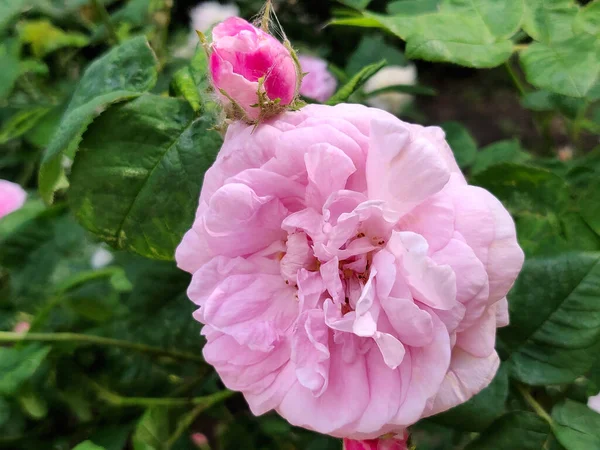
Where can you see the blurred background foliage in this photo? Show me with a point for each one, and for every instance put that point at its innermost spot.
(112, 359)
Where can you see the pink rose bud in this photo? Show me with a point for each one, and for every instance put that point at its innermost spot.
(393, 443)
(200, 440)
(318, 83)
(253, 73)
(22, 327)
(12, 197)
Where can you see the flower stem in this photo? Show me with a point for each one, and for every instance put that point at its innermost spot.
(264, 23)
(105, 18)
(515, 78)
(6, 336)
(183, 424)
(539, 410)
(200, 402)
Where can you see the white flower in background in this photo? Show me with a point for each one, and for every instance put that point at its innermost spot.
(203, 17)
(393, 102)
(101, 258)
(594, 403)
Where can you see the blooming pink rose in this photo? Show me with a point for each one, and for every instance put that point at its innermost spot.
(241, 54)
(318, 83)
(345, 273)
(12, 197)
(391, 443)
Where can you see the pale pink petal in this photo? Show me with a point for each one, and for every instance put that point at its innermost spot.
(310, 351)
(467, 376)
(396, 154)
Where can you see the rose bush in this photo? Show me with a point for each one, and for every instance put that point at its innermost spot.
(99, 349)
(346, 274)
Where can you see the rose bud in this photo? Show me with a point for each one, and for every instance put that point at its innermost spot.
(254, 74)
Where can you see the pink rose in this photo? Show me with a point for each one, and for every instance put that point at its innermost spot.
(390, 443)
(318, 83)
(240, 55)
(12, 197)
(346, 274)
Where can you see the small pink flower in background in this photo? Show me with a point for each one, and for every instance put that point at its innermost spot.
(594, 403)
(200, 440)
(318, 83)
(391, 443)
(12, 197)
(22, 327)
(240, 55)
(347, 275)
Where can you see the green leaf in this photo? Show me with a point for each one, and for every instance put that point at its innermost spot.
(112, 437)
(472, 33)
(152, 430)
(125, 72)
(159, 313)
(32, 403)
(370, 50)
(9, 223)
(22, 122)
(588, 19)
(500, 19)
(9, 61)
(10, 10)
(461, 142)
(88, 445)
(576, 426)
(554, 332)
(568, 67)
(413, 7)
(18, 365)
(184, 86)
(355, 83)
(45, 38)
(357, 4)
(538, 201)
(4, 411)
(457, 38)
(414, 89)
(549, 21)
(500, 152)
(519, 429)
(589, 205)
(480, 411)
(137, 187)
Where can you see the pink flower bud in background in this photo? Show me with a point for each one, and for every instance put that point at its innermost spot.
(22, 327)
(200, 440)
(240, 55)
(594, 403)
(318, 83)
(393, 443)
(12, 197)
